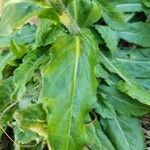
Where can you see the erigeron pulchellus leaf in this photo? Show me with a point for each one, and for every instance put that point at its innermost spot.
(78, 77)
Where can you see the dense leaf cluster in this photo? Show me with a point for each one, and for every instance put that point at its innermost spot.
(77, 78)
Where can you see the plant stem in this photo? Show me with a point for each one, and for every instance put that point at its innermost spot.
(65, 17)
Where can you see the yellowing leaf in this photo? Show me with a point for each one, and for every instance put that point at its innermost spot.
(69, 90)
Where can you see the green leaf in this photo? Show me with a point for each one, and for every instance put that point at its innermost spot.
(4, 60)
(104, 108)
(125, 133)
(30, 146)
(26, 70)
(112, 16)
(45, 26)
(18, 51)
(135, 91)
(4, 41)
(85, 12)
(32, 118)
(128, 5)
(25, 137)
(108, 62)
(8, 2)
(110, 37)
(137, 33)
(16, 15)
(146, 3)
(77, 78)
(122, 103)
(69, 90)
(52, 36)
(132, 66)
(94, 14)
(25, 35)
(47, 33)
(102, 142)
(100, 72)
(102, 137)
(31, 95)
(6, 88)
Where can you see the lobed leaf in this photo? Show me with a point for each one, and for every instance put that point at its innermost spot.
(25, 71)
(132, 67)
(112, 16)
(110, 37)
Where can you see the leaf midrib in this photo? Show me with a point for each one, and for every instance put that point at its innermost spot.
(77, 56)
(122, 133)
(132, 33)
(122, 101)
(116, 70)
(132, 61)
(129, 5)
(75, 10)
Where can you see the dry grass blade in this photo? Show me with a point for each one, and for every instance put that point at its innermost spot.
(146, 129)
